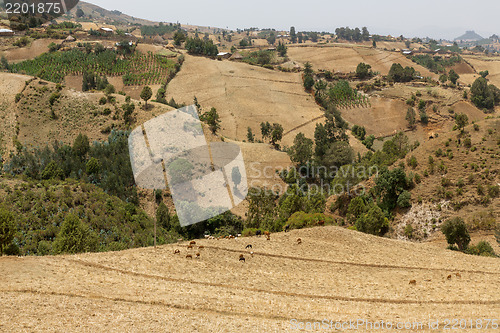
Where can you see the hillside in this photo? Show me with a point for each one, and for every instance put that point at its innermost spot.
(469, 36)
(335, 274)
(458, 177)
(114, 17)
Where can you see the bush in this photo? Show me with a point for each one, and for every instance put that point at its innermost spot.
(359, 132)
(248, 232)
(408, 231)
(456, 232)
(412, 162)
(301, 220)
(373, 222)
(483, 248)
(404, 200)
(7, 229)
(493, 191)
(363, 71)
(399, 74)
(74, 237)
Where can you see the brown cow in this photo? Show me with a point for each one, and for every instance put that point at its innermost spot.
(198, 254)
(201, 247)
(299, 241)
(177, 252)
(413, 282)
(192, 243)
(449, 277)
(321, 223)
(190, 247)
(189, 256)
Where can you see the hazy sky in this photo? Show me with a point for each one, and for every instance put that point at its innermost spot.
(434, 18)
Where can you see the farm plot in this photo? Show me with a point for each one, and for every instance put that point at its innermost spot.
(136, 69)
(335, 273)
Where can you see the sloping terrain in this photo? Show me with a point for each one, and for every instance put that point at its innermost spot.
(347, 58)
(483, 63)
(245, 96)
(460, 181)
(335, 274)
(11, 84)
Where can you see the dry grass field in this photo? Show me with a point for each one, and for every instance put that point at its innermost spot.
(245, 96)
(482, 63)
(35, 49)
(335, 274)
(11, 84)
(346, 58)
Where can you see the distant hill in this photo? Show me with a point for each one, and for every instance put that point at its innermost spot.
(470, 36)
(95, 13)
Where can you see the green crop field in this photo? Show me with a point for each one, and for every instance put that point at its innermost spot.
(136, 69)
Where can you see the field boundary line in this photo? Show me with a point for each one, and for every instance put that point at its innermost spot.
(280, 293)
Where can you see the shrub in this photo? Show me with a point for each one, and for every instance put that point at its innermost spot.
(418, 178)
(301, 220)
(412, 162)
(363, 70)
(404, 199)
(483, 248)
(356, 207)
(248, 232)
(408, 231)
(456, 232)
(493, 191)
(103, 101)
(373, 222)
(7, 229)
(74, 237)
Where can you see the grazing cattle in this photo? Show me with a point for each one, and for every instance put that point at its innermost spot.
(192, 243)
(231, 237)
(249, 246)
(286, 228)
(258, 232)
(189, 256)
(207, 236)
(198, 255)
(190, 247)
(458, 275)
(413, 282)
(177, 252)
(266, 233)
(321, 223)
(449, 277)
(299, 241)
(201, 247)
(242, 259)
(251, 253)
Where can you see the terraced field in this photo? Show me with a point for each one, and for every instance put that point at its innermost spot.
(335, 274)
